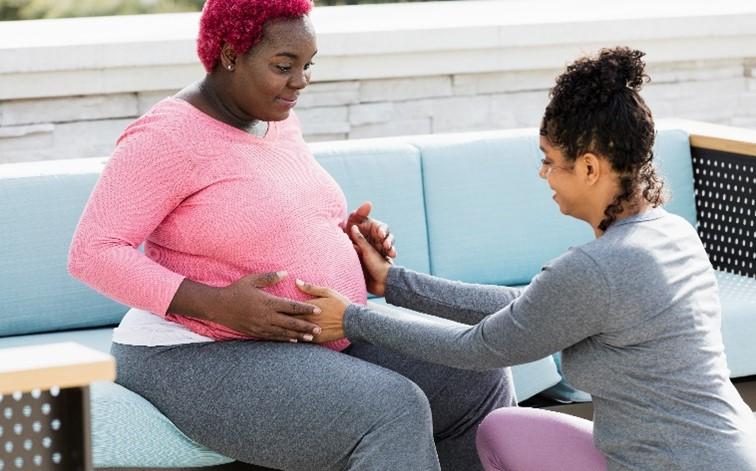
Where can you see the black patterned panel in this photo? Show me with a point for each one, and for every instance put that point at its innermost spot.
(725, 185)
(45, 430)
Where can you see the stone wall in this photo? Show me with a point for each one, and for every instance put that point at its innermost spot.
(83, 102)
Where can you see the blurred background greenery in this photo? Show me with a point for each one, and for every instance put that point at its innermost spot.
(34, 9)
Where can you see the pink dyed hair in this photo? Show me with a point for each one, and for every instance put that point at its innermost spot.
(240, 24)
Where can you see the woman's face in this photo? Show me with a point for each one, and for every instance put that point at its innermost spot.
(560, 174)
(266, 81)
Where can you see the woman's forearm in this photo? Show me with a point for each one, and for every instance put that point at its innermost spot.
(566, 303)
(196, 300)
(461, 302)
(431, 339)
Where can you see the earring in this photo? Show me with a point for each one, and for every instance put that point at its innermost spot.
(230, 67)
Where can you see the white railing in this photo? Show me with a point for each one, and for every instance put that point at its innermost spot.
(67, 87)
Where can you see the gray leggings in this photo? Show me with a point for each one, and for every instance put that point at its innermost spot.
(303, 407)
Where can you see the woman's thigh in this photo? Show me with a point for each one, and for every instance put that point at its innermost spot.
(285, 406)
(454, 394)
(459, 400)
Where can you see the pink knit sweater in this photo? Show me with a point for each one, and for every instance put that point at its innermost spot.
(211, 203)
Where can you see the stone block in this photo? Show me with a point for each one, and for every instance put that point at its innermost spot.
(68, 109)
(414, 109)
(404, 127)
(695, 71)
(324, 120)
(88, 138)
(324, 137)
(24, 138)
(746, 105)
(371, 113)
(462, 114)
(518, 110)
(498, 82)
(713, 101)
(405, 89)
(329, 94)
(147, 100)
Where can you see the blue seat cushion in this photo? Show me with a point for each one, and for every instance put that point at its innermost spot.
(738, 297)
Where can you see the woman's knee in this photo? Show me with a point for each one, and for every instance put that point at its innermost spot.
(405, 400)
(524, 438)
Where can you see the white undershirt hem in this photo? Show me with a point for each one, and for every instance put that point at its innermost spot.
(145, 329)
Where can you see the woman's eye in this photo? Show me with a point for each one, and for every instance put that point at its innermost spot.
(283, 68)
(308, 65)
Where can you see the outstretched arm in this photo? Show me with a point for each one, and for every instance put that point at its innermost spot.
(454, 300)
(565, 303)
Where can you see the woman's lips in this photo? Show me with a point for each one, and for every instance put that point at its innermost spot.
(287, 102)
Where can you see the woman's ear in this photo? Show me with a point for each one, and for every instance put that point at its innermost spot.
(227, 57)
(591, 167)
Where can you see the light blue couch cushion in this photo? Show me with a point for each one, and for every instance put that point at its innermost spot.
(128, 431)
(675, 165)
(387, 173)
(41, 205)
(738, 297)
(491, 219)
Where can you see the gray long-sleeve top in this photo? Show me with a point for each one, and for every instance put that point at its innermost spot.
(637, 315)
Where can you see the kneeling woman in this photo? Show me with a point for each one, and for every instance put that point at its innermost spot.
(635, 311)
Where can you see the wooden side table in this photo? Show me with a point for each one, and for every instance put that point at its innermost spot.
(44, 405)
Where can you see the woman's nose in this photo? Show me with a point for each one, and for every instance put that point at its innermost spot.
(300, 80)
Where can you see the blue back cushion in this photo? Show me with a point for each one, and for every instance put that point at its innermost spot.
(387, 173)
(40, 206)
(675, 164)
(491, 219)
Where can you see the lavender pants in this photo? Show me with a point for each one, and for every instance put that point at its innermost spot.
(525, 439)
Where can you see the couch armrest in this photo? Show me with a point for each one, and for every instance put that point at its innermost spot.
(724, 171)
(44, 394)
(61, 365)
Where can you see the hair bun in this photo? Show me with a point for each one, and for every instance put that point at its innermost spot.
(595, 81)
(622, 67)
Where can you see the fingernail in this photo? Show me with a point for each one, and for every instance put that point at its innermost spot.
(307, 337)
(293, 340)
(316, 330)
(281, 274)
(317, 310)
(299, 282)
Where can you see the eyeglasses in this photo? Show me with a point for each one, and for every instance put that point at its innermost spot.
(544, 171)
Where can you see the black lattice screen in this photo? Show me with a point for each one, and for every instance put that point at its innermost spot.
(45, 430)
(725, 185)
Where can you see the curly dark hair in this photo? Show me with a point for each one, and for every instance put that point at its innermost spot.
(595, 107)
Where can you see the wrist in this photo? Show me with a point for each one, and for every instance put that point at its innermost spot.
(197, 300)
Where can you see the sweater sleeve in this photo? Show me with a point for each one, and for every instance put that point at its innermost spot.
(461, 302)
(143, 181)
(565, 304)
